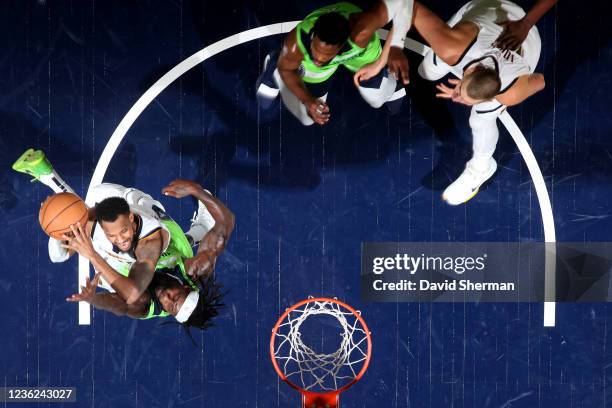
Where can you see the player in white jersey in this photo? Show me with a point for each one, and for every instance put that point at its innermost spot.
(492, 79)
(183, 284)
(131, 230)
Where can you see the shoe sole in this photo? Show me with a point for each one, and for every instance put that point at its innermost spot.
(30, 158)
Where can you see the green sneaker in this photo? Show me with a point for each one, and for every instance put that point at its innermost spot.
(34, 163)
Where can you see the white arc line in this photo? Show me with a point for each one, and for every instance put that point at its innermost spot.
(281, 28)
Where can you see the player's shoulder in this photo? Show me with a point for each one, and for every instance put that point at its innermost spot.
(291, 50)
(511, 94)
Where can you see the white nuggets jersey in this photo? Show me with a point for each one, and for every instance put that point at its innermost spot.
(485, 14)
(146, 218)
(120, 261)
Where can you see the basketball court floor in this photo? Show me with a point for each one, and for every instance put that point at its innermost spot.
(305, 200)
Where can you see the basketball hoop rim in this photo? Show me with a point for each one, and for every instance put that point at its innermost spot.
(321, 299)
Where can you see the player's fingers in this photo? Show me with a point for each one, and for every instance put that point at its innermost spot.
(75, 232)
(404, 76)
(73, 298)
(96, 278)
(356, 78)
(442, 88)
(453, 81)
(501, 39)
(394, 71)
(80, 227)
(169, 192)
(443, 95)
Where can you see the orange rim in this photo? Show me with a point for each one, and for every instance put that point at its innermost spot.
(321, 299)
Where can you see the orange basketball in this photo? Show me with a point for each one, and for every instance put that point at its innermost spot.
(59, 212)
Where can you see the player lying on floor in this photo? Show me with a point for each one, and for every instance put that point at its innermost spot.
(132, 234)
(337, 35)
(491, 79)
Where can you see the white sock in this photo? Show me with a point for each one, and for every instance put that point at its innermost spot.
(56, 183)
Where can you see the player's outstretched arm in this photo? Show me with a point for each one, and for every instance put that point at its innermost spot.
(289, 62)
(381, 13)
(367, 22)
(215, 240)
(525, 86)
(110, 302)
(372, 69)
(444, 40)
(147, 254)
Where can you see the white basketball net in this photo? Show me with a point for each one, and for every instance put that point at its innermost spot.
(312, 370)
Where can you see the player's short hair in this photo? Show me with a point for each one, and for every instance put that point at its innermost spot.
(332, 28)
(110, 208)
(209, 304)
(484, 84)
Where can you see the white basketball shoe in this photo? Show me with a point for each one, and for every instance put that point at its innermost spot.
(468, 183)
(201, 223)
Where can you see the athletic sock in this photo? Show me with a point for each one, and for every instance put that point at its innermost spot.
(55, 183)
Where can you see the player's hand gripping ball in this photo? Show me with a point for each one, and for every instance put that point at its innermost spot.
(59, 211)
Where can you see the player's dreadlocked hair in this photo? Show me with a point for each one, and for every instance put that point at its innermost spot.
(110, 208)
(332, 28)
(209, 303)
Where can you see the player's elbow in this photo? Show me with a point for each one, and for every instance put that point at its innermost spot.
(448, 55)
(134, 296)
(538, 82)
(542, 82)
(136, 308)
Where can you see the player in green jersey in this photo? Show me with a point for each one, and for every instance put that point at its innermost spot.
(337, 35)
